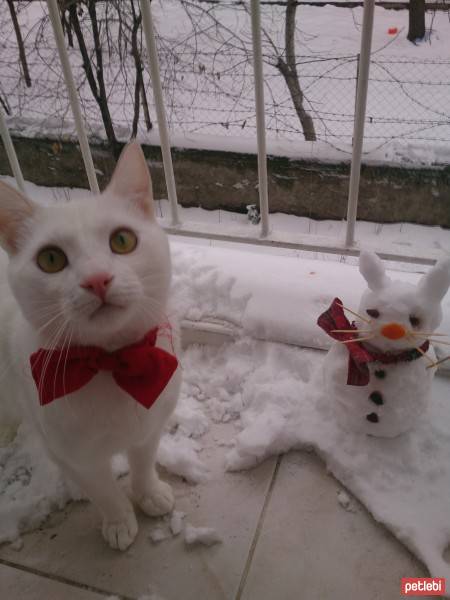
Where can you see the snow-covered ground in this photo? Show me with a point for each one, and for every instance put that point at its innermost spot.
(265, 389)
(208, 82)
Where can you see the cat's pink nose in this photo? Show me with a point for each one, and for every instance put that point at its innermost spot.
(98, 284)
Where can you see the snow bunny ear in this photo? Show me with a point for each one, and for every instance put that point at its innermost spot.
(436, 282)
(131, 179)
(372, 269)
(15, 208)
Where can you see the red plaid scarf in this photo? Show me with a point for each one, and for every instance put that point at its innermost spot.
(359, 356)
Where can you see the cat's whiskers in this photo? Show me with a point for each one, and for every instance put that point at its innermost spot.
(12, 361)
(68, 344)
(61, 348)
(52, 346)
(44, 326)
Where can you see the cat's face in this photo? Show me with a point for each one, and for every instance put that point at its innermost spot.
(399, 312)
(93, 271)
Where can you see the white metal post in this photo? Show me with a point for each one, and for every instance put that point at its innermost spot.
(11, 153)
(149, 33)
(73, 97)
(360, 115)
(260, 119)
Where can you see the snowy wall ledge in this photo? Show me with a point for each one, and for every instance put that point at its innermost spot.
(215, 179)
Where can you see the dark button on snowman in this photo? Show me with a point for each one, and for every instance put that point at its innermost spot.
(378, 375)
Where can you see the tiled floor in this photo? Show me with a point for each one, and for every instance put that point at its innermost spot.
(285, 536)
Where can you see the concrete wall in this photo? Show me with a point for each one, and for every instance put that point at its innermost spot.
(229, 181)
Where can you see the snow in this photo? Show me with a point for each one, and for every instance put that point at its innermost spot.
(201, 535)
(31, 486)
(344, 500)
(158, 534)
(179, 455)
(17, 545)
(176, 522)
(168, 526)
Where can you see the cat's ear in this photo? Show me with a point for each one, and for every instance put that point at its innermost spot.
(372, 269)
(436, 282)
(131, 179)
(15, 208)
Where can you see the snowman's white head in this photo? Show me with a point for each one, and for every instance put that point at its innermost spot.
(398, 313)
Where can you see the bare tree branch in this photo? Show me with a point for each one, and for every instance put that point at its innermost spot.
(22, 55)
(288, 68)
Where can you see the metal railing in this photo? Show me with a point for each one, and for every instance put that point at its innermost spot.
(347, 246)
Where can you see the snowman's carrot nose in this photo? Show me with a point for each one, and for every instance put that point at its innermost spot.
(393, 331)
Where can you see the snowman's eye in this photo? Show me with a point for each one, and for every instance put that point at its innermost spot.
(373, 312)
(415, 321)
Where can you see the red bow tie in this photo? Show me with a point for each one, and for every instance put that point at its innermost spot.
(141, 369)
(359, 356)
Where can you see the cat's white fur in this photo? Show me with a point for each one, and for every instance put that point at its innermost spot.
(406, 386)
(38, 310)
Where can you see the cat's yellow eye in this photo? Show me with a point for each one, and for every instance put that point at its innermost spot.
(123, 241)
(51, 259)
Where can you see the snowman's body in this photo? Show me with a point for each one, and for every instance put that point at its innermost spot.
(393, 401)
(395, 325)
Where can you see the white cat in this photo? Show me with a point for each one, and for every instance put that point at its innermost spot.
(386, 395)
(93, 272)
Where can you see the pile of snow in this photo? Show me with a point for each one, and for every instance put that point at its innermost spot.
(172, 525)
(176, 522)
(201, 535)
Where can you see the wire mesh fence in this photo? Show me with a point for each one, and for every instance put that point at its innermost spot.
(209, 91)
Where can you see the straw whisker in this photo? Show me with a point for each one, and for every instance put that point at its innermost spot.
(438, 342)
(427, 334)
(356, 331)
(425, 355)
(354, 313)
(439, 362)
(363, 339)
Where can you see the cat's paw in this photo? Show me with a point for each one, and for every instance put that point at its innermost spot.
(121, 533)
(159, 501)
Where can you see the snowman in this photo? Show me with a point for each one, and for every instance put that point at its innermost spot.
(378, 374)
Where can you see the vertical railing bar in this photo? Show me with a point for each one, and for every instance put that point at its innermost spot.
(73, 96)
(11, 153)
(260, 118)
(149, 34)
(360, 115)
